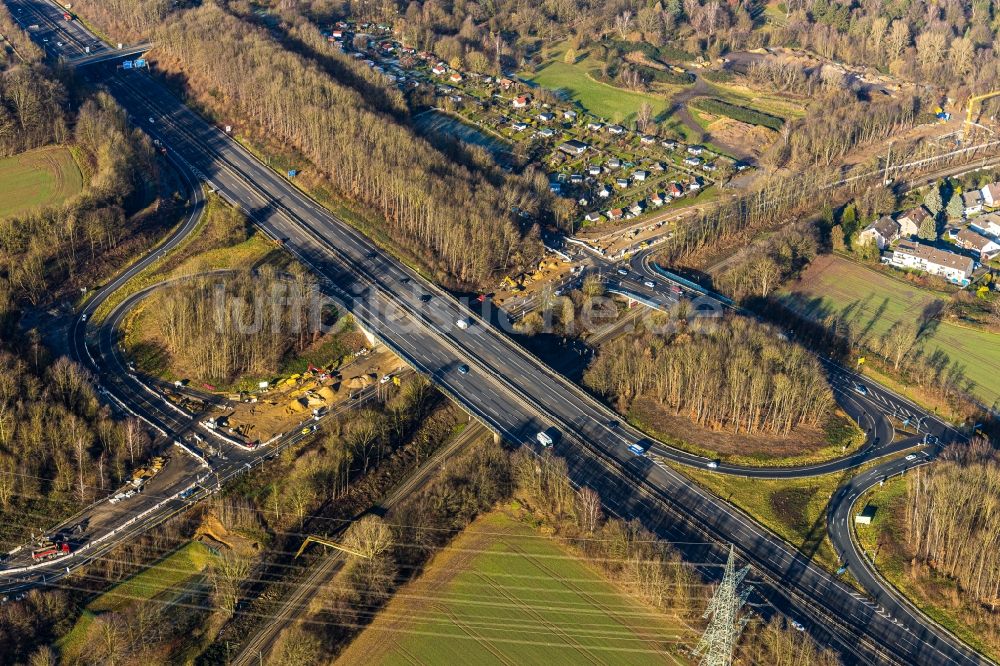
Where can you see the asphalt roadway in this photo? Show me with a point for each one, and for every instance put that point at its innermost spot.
(517, 396)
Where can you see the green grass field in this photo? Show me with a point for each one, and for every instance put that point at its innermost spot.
(504, 593)
(37, 178)
(795, 509)
(163, 579)
(873, 302)
(601, 99)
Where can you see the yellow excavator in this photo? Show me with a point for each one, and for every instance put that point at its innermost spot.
(973, 102)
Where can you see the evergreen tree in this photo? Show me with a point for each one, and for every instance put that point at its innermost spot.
(933, 200)
(955, 207)
(928, 229)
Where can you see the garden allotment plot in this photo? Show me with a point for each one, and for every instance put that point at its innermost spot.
(504, 593)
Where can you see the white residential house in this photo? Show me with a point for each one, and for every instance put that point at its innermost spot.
(985, 248)
(569, 115)
(614, 163)
(669, 144)
(991, 195)
(604, 192)
(594, 170)
(696, 150)
(988, 224)
(594, 126)
(616, 129)
(593, 217)
(622, 182)
(521, 101)
(910, 221)
(640, 175)
(918, 256)
(546, 116)
(546, 132)
(972, 202)
(883, 231)
(439, 69)
(648, 139)
(656, 200)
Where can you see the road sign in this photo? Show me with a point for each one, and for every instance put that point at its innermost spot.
(140, 63)
(127, 64)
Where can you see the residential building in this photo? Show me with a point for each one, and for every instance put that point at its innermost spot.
(696, 150)
(573, 147)
(521, 101)
(640, 175)
(883, 231)
(622, 183)
(669, 144)
(656, 200)
(546, 132)
(546, 116)
(910, 221)
(616, 129)
(692, 161)
(918, 256)
(984, 248)
(972, 202)
(594, 170)
(519, 125)
(615, 214)
(439, 69)
(593, 217)
(648, 139)
(988, 224)
(604, 192)
(576, 178)
(594, 126)
(569, 115)
(676, 190)
(455, 77)
(614, 163)
(991, 195)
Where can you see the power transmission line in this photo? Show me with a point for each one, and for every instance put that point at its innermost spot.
(724, 621)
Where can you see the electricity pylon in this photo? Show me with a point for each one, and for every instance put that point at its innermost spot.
(725, 624)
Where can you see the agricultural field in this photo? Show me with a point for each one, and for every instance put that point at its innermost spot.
(36, 179)
(503, 592)
(872, 302)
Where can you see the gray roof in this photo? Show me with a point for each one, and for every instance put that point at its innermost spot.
(932, 255)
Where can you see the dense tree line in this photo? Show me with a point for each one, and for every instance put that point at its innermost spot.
(58, 447)
(739, 375)
(762, 267)
(126, 20)
(244, 324)
(41, 250)
(457, 219)
(19, 49)
(953, 519)
(31, 109)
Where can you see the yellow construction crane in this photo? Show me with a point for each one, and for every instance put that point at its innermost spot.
(312, 538)
(975, 100)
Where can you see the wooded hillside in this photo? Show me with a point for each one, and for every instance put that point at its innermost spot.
(738, 375)
(457, 219)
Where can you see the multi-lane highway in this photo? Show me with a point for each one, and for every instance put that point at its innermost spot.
(514, 393)
(517, 395)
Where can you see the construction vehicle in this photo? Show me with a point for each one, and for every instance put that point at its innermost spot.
(50, 551)
(144, 474)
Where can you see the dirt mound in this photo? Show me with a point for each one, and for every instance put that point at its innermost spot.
(752, 138)
(211, 528)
